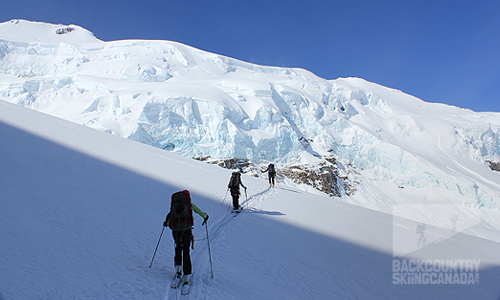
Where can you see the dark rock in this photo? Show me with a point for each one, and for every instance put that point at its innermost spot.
(495, 166)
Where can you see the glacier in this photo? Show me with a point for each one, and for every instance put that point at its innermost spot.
(199, 104)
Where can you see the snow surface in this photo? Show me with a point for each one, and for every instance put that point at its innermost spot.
(81, 213)
(81, 210)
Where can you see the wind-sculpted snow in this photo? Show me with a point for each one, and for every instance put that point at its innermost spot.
(200, 104)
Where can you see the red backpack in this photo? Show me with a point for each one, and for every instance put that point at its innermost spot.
(181, 213)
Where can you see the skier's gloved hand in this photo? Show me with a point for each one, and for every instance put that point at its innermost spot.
(205, 220)
(165, 223)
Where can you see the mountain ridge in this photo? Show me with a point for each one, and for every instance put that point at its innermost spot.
(200, 104)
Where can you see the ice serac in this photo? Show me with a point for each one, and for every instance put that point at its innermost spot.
(348, 135)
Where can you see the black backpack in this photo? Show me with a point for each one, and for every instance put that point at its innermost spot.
(272, 171)
(234, 182)
(181, 213)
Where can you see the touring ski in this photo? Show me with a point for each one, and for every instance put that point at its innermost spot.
(185, 289)
(237, 211)
(176, 282)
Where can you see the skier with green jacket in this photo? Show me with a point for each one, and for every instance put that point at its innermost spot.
(180, 220)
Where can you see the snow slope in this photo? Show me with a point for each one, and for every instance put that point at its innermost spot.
(81, 212)
(201, 104)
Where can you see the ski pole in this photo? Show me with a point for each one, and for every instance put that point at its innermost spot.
(157, 247)
(209, 253)
(224, 199)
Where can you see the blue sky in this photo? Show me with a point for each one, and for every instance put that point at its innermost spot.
(439, 51)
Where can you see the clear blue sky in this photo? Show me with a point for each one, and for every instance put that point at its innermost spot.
(440, 51)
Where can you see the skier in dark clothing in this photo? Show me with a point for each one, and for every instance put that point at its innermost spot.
(271, 171)
(180, 220)
(234, 187)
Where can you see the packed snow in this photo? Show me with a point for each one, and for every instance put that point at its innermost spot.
(82, 210)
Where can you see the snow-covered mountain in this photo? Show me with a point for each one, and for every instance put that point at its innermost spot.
(81, 211)
(368, 144)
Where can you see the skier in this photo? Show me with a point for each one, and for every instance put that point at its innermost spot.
(180, 220)
(234, 187)
(271, 171)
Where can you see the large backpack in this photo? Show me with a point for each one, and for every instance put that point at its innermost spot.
(234, 182)
(181, 213)
(272, 171)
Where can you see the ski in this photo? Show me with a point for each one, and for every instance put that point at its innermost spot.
(237, 211)
(185, 289)
(176, 282)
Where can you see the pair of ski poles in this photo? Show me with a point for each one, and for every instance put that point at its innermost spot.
(209, 252)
